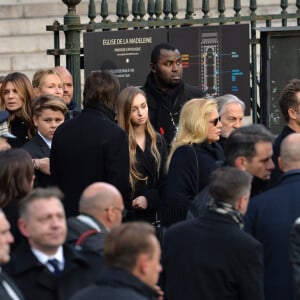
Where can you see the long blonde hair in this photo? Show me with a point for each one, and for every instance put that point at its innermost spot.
(193, 123)
(124, 104)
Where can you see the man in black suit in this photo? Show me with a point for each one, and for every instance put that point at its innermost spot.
(8, 289)
(211, 257)
(44, 267)
(91, 147)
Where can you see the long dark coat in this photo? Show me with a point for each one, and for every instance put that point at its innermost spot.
(187, 176)
(152, 188)
(269, 219)
(211, 258)
(86, 149)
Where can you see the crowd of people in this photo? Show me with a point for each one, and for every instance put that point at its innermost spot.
(142, 193)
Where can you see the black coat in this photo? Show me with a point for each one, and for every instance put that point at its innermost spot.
(270, 217)
(165, 107)
(73, 110)
(36, 281)
(93, 242)
(37, 148)
(295, 255)
(19, 128)
(277, 173)
(211, 258)
(3, 292)
(187, 177)
(152, 188)
(116, 284)
(86, 149)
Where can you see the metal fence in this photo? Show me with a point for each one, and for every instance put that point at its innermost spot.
(158, 13)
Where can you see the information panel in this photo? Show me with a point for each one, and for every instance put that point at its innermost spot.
(125, 52)
(216, 58)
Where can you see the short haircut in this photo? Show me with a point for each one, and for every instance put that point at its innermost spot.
(229, 184)
(242, 142)
(35, 195)
(155, 54)
(288, 98)
(101, 88)
(126, 242)
(222, 101)
(48, 102)
(39, 76)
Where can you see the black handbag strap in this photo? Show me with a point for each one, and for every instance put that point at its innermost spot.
(197, 171)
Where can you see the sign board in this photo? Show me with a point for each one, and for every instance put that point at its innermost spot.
(125, 52)
(215, 58)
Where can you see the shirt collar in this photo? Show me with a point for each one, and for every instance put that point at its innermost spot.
(43, 258)
(47, 141)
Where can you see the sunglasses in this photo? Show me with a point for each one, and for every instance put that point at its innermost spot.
(215, 121)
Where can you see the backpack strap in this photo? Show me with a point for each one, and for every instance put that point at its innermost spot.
(84, 236)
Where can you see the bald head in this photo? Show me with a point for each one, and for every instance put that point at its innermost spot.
(290, 153)
(67, 80)
(100, 200)
(99, 195)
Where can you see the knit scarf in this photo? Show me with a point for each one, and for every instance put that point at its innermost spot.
(223, 208)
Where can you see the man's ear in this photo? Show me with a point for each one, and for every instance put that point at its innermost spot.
(142, 261)
(23, 227)
(280, 164)
(292, 114)
(153, 67)
(241, 163)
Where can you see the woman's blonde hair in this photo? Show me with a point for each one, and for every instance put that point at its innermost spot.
(124, 104)
(40, 75)
(193, 123)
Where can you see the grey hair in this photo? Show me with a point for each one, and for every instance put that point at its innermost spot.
(222, 101)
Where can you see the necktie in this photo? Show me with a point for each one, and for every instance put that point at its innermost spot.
(54, 263)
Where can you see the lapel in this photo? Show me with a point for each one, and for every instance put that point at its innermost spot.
(3, 292)
(146, 160)
(25, 261)
(44, 149)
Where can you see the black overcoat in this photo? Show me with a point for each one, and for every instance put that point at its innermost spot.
(86, 149)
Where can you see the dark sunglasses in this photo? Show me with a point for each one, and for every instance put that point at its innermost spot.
(215, 121)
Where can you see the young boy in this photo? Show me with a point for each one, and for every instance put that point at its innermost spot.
(48, 113)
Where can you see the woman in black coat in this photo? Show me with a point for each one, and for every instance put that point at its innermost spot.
(16, 96)
(148, 152)
(193, 156)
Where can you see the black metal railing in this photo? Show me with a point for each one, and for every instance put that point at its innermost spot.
(163, 14)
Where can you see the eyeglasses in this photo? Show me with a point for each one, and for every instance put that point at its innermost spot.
(215, 121)
(122, 211)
